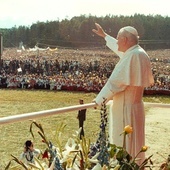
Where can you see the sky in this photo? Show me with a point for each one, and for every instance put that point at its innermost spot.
(14, 13)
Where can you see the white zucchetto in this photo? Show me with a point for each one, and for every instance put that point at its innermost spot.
(131, 30)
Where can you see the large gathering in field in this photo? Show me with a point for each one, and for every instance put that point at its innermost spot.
(73, 69)
(84, 70)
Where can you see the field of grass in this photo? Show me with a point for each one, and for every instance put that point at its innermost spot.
(13, 102)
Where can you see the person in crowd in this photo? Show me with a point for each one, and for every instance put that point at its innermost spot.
(81, 118)
(29, 152)
(125, 87)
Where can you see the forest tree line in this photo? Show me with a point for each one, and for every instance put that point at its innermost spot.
(77, 31)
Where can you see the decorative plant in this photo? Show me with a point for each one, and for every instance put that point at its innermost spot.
(82, 154)
(166, 164)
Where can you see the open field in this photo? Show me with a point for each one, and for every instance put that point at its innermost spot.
(13, 102)
(14, 135)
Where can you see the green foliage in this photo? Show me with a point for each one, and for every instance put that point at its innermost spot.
(76, 32)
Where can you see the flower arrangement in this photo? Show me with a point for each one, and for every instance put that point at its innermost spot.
(82, 154)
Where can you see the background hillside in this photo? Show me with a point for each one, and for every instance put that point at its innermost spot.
(77, 32)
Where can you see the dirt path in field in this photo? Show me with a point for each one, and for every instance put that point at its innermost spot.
(158, 134)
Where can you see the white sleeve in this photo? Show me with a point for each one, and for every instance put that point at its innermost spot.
(111, 42)
(22, 156)
(109, 90)
(37, 152)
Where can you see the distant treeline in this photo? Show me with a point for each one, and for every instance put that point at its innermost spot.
(154, 31)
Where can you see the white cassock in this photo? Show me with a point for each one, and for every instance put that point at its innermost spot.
(125, 86)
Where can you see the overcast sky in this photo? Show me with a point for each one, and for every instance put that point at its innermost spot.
(26, 12)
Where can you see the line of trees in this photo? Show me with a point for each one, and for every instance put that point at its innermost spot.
(77, 32)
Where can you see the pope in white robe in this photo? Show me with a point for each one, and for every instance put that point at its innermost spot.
(125, 87)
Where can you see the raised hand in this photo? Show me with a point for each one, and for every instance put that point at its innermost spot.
(99, 31)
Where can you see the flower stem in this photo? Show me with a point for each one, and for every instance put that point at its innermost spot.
(124, 140)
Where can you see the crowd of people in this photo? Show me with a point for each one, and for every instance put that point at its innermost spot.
(73, 70)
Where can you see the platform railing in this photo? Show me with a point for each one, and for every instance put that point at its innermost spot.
(45, 113)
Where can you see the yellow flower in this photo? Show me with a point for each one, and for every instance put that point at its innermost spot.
(144, 149)
(128, 129)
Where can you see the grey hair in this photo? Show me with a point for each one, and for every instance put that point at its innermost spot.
(131, 35)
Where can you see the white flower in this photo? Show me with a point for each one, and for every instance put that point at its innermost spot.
(70, 146)
(70, 143)
(77, 133)
(94, 158)
(113, 162)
